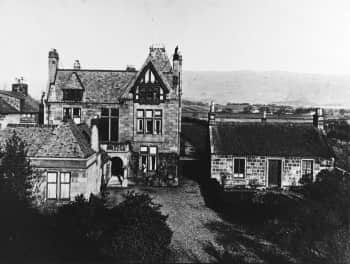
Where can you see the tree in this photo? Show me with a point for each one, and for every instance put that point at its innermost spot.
(15, 171)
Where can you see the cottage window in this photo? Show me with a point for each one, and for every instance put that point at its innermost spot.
(72, 113)
(149, 121)
(65, 185)
(109, 125)
(307, 167)
(52, 185)
(239, 168)
(148, 158)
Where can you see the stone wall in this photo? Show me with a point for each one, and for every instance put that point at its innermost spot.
(256, 170)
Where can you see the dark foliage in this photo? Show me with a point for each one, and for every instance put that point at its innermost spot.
(339, 130)
(15, 171)
(313, 223)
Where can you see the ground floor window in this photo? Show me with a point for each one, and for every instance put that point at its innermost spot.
(148, 158)
(58, 187)
(307, 169)
(238, 167)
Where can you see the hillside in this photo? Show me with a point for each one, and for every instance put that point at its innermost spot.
(296, 89)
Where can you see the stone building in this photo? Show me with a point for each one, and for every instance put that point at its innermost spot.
(65, 160)
(17, 106)
(138, 113)
(267, 152)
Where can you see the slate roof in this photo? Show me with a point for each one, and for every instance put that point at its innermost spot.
(30, 105)
(64, 141)
(98, 85)
(264, 139)
(106, 86)
(6, 108)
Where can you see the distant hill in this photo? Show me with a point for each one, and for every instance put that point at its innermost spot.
(287, 88)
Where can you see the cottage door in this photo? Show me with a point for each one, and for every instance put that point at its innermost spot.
(274, 172)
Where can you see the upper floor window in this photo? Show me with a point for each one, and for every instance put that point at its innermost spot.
(72, 95)
(149, 89)
(72, 113)
(109, 125)
(149, 121)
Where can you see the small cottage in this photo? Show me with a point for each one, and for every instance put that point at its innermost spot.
(267, 153)
(65, 160)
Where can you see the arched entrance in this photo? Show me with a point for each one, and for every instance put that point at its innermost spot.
(117, 169)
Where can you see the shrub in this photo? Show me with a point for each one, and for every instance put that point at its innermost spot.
(140, 234)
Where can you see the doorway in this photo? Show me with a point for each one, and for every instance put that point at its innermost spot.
(274, 172)
(117, 169)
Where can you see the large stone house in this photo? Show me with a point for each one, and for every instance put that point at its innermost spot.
(267, 151)
(138, 113)
(17, 106)
(64, 158)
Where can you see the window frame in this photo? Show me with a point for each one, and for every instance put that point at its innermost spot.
(235, 175)
(312, 168)
(71, 115)
(148, 156)
(51, 183)
(145, 121)
(65, 183)
(110, 117)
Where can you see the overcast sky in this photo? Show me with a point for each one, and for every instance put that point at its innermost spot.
(290, 35)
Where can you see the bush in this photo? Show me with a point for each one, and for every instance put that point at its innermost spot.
(141, 233)
(134, 231)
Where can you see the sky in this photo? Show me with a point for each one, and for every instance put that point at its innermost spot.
(311, 36)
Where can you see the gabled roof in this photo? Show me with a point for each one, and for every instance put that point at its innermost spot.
(6, 108)
(99, 85)
(64, 141)
(150, 64)
(73, 82)
(269, 139)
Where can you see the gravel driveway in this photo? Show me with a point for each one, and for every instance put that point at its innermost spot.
(200, 235)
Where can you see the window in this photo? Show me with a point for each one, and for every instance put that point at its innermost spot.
(149, 121)
(72, 113)
(307, 167)
(148, 158)
(149, 90)
(239, 168)
(72, 95)
(65, 185)
(109, 124)
(52, 185)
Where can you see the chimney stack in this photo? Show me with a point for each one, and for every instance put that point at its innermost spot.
(177, 70)
(318, 119)
(20, 87)
(211, 114)
(53, 65)
(95, 145)
(76, 65)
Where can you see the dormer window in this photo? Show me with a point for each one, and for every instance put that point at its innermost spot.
(72, 95)
(149, 88)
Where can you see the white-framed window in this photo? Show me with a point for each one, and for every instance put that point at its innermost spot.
(148, 158)
(65, 185)
(307, 169)
(149, 121)
(239, 167)
(72, 113)
(52, 185)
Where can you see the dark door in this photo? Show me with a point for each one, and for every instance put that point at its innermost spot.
(275, 172)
